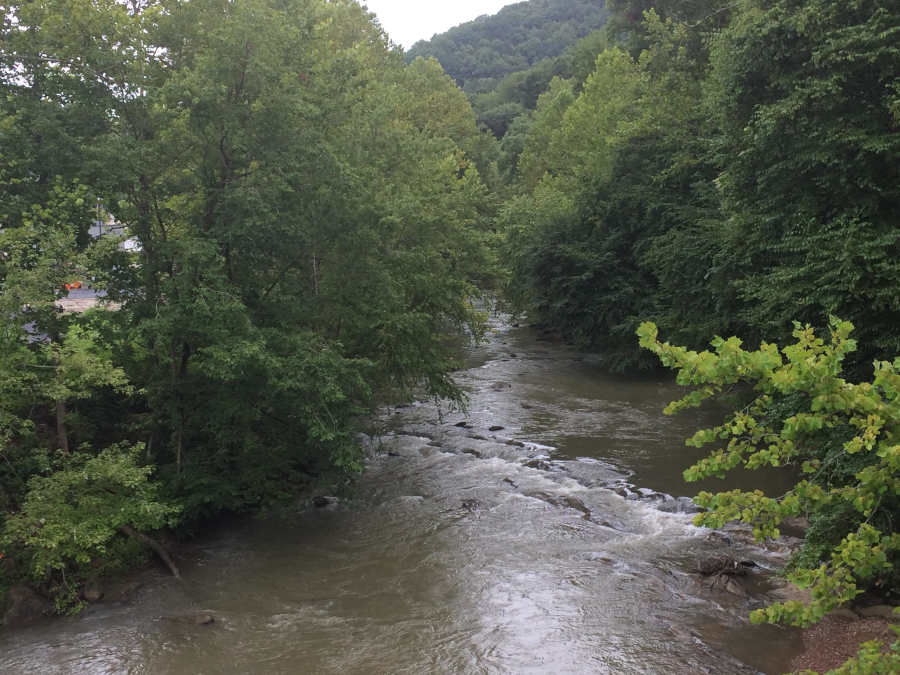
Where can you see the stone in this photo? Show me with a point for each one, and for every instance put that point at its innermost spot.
(23, 605)
(496, 427)
(843, 614)
(791, 592)
(884, 611)
(798, 522)
(93, 590)
(575, 503)
(122, 592)
(463, 425)
(321, 502)
(515, 443)
(192, 619)
(733, 587)
(8, 566)
(473, 452)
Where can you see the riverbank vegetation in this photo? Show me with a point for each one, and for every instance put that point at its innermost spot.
(727, 168)
(730, 168)
(305, 220)
(846, 438)
(306, 213)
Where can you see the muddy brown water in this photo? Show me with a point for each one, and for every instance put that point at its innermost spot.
(463, 550)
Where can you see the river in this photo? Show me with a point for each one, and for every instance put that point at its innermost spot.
(463, 550)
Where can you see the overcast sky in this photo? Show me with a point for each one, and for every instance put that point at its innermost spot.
(408, 21)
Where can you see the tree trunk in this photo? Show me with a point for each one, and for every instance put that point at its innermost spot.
(180, 442)
(61, 433)
(156, 546)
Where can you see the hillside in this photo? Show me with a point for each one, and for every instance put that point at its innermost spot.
(514, 39)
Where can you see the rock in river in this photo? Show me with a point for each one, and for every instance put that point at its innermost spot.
(192, 619)
(93, 590)
(23, 605)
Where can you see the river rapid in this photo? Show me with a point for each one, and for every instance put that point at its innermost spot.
(552, 544)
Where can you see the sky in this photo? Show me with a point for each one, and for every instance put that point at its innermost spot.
(408, 21)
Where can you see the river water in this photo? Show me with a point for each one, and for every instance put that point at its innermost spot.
(463, 551)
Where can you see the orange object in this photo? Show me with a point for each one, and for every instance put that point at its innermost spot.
(75, 285)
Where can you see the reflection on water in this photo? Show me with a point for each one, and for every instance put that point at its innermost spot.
(465, 550)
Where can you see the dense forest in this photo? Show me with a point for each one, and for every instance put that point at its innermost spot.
(504, 62)
(730, 168)
(517, 37)
(310, 212)
(309, 224)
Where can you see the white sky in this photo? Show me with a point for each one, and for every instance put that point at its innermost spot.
(408, 21)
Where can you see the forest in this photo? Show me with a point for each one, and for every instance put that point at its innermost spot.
(310, 213)
(309, 220)
(730, 169)
(504, 62)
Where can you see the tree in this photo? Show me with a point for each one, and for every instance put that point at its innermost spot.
(806, 96)
(311, 222)
(844, 436)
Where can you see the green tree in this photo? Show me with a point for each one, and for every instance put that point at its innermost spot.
(806, 96)
(831, 423)
(311, 221)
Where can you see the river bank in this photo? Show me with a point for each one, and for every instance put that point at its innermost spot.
(545, 531)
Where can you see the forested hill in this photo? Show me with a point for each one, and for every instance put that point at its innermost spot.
(514, 39)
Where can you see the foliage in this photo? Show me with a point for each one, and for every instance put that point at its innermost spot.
(745, 177)
(514, 39)
(871, 660)
(806, 96)
(71, 514)
(865, 414)
(310, 218)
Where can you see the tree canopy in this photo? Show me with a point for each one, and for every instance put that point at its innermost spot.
(517, 37)
(308, 221)
(730, 169)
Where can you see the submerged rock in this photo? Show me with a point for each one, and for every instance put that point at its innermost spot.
(732, 586)
(192, 619)
(122, 592)
(496, 427)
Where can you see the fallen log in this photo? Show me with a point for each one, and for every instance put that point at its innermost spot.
(156, 546)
